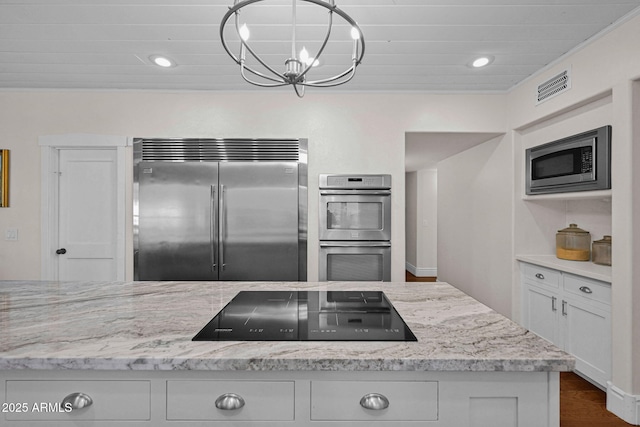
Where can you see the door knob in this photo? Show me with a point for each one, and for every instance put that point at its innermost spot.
(61, 251)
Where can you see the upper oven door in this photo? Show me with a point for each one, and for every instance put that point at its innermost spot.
(355, 214)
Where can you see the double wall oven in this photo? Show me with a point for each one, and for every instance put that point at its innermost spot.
(355, 228)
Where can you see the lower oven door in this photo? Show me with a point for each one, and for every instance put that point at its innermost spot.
(355, 261)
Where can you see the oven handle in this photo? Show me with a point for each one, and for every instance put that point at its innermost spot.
(355, 244)
(355, 192)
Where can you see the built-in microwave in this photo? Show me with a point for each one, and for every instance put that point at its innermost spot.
(580, 162)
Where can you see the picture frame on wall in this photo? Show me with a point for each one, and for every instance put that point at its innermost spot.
(4, 178)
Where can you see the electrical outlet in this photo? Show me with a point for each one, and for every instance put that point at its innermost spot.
(11, 234)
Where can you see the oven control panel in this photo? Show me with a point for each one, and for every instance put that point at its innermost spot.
(355, 181)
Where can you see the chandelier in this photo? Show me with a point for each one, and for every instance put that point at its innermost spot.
(295, 68)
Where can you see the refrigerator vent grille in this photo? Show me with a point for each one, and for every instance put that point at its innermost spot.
(220, 150)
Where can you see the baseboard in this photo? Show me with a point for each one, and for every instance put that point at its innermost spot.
(623, 405)
(421, 272)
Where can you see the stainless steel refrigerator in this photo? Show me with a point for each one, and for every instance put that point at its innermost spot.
(218, 218)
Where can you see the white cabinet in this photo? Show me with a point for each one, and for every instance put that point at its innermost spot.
(374, 400)
(276, 398)
(574, 313)
(541, 312)
(52, 401)
(230, 400)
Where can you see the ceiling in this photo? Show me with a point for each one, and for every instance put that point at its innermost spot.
(411, 45)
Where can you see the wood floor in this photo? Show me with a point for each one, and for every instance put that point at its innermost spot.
(584, 405)
(411, 278)
(581, 403)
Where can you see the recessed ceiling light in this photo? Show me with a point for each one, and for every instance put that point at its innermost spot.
(162, 61)
(482, 61)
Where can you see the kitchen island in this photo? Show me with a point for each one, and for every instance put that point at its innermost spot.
(126, 346)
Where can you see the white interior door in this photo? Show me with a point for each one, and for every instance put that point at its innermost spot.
(87, 214)
(83, 207)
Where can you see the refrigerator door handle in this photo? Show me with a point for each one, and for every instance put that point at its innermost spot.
(223, 226)
(212, 230)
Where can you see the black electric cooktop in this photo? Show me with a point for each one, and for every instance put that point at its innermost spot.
(307, 316)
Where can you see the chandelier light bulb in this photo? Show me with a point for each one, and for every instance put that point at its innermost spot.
(355, 34)
(306, 59)
(304, 55)
(244, 32)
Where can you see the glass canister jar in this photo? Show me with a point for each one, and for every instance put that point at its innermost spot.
(601, 251)
(573, 243)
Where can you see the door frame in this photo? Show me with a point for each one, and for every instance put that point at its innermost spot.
(50, 146)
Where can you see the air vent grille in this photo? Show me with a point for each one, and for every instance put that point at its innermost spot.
(554, 86)
(219, 150)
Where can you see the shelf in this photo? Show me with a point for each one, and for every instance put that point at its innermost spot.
(580, 268)
(578, 195)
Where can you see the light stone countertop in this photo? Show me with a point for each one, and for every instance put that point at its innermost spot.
(149, 326)
(581, 268)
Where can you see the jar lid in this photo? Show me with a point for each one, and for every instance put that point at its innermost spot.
(573, 229)
(605, 240)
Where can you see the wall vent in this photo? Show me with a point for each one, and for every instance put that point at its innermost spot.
(554, 86)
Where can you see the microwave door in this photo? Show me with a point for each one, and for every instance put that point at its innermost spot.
(571, 165)
(580, 162)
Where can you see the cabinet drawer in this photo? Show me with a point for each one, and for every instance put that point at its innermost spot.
(536, 275)
(263, 400)
(112, 400)
(340, 400)
(588, 288)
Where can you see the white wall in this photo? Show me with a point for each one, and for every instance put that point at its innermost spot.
(411, 218)
(347, 133)
(428, 222)
(475, 222)
(421, 223)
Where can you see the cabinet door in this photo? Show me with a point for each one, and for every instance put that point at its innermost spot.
(587, 336)
(189, 400)
(540, 314)
(347, 400)
(112, 401)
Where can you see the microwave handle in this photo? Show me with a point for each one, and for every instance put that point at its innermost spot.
(355, 244)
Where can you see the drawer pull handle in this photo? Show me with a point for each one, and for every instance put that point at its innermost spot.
(77, 401)
(229, 402)
(540, 276)
(586, 290)
(374, 401)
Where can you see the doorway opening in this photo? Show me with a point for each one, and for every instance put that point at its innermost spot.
(424, 151)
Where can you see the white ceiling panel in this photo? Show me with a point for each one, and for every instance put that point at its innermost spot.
(411, 45)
